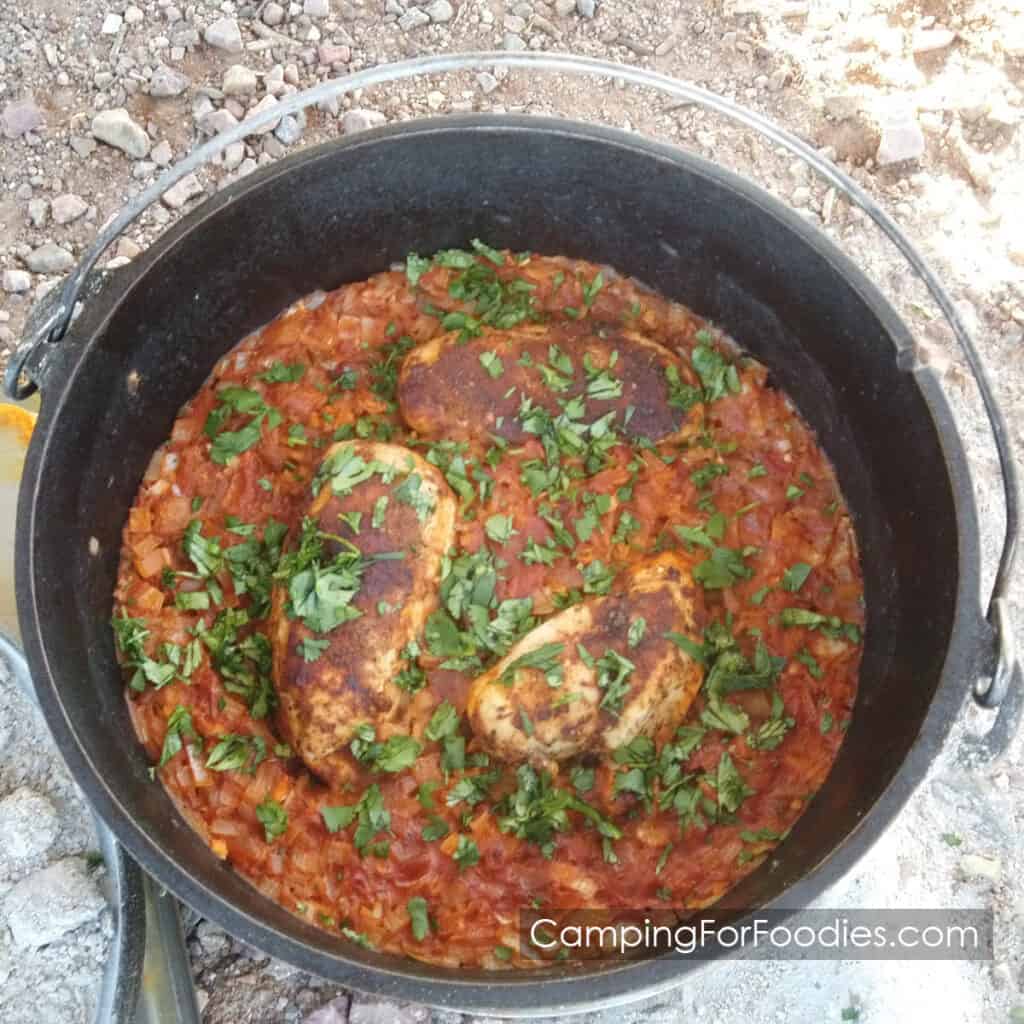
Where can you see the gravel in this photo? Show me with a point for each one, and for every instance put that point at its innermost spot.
(922, 104)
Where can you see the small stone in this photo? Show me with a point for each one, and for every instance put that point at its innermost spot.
(49, 258)
(974, 866)
(412, 19)
(361, 120)
(563, 8)
(513, 23)
(132, 15)
(239, 81)
(394, 7)
(902, 139)
(162, 154)
(201, 106)
(289, 131)
(224, 34)
(929, 40)
(127, 249)
(116, 128)
(334, 1012)
(777, 79)
(273, 14)
(82, 145)
(48, 904)
(272, 148)
(233, 156)
(435, 99)
(14, 282)
(38, 212)
(586, 8)
(68, 208)
(513, 42)
(111, 24)
(28, 821)
(374, 1010)
(487, 82)
(316, 8)
(180, 193)
(216, 121)
(167, 82)
(440, 11)
(329, 53)
(19, 118)
(264, 104)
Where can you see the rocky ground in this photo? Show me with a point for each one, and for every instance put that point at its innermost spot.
(920, 100)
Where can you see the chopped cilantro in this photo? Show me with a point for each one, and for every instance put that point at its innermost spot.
(273, 817)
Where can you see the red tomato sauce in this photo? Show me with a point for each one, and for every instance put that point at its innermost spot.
(775, 491)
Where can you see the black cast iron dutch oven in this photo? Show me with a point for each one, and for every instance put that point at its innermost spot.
(150, 334)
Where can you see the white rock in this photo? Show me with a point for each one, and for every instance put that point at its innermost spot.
(48, 904)
(564, 8)
(116, 128)
(316, 8)
(233, 156)
(264, 104)
(111, 24)
(38, 212)
(273, 14)
(49, 259)
(374, 1010)
(28, 821)
(360, 120)
(513, 42)
(162, 153)
(487, 82)
(217, 121)
(14, 282)
(439, 11)
(166, 82)
(412, 19)
(902, 139)
(133, 15)
(239, 80)
(289, 131)
(224, 34)
(435, 99)
(68, 207)
(586, 8)
(180, 193)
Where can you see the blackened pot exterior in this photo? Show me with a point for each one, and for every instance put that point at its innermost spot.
(341, 212)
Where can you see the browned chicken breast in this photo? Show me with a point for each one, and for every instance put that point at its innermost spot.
(358, 587)
(454, 388)
(598, 674)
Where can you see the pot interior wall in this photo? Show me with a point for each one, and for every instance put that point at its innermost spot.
(344, 212)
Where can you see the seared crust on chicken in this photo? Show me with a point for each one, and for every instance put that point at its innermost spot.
(582, 681)
(330, 682)
(453, 388)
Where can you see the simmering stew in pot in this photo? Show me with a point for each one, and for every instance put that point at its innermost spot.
(489, 583)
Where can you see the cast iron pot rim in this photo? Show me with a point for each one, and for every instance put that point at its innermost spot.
(502, 992)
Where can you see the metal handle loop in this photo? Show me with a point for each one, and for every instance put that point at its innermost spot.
(988, 694)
